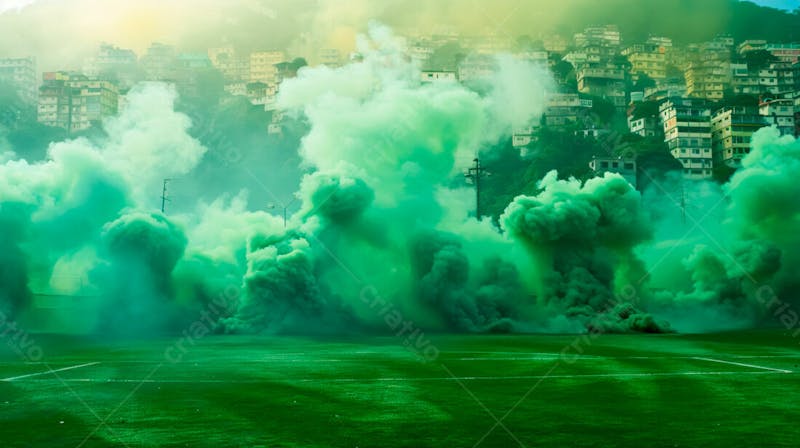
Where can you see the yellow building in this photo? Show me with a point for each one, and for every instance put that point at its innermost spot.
(708, 77)
(262, 66)
(731, 131)
(648, 59)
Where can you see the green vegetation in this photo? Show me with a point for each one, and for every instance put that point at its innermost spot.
(686, 21)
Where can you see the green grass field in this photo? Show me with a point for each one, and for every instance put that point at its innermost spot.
(721, 390)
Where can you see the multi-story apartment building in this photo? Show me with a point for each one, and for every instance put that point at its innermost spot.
(625, 167)
(643, 119)
(159, 63)
(191, 68)
(607, 81)
(661, 41)
(232, 66)
(742, 81)
(420, 50)
(647, 126)
(535, 57)
(330, 57)
(687, 133)
(262, 66)
(476, 67)
(785, 52)
(20, 73)
(565, 110)
(751, 45)
(708, 77)
(796, 97)
(779, 113)
(74, 101)
(607, 35)
(772, 79)
(649, 59)
(491, 44)
(554, 43)
(731, 131)
(522, 137)
(722, 44)
(669, 88)
(113, 63)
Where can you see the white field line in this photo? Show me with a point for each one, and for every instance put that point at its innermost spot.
(403, 379)
(14, 378)
(551, 357)
(752, 366)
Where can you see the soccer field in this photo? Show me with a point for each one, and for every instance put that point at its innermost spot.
(730, 389)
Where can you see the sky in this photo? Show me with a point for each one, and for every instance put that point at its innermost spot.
(789, 5)
(301, 26)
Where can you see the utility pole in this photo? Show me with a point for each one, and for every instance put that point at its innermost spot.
(683, 204)
(475, 173)
(164, 197)
(285, 207)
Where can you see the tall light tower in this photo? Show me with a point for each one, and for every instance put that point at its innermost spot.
(474, 174)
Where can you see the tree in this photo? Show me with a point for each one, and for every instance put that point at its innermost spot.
(643, 82)
(758, 59)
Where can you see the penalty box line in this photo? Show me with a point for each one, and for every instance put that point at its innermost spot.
(741, 364)
(47, 372)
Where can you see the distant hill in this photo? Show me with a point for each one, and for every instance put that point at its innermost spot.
(686, 21)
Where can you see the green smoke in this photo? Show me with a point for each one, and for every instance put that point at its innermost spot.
(717, 272)
(384, 218)
(581, 238)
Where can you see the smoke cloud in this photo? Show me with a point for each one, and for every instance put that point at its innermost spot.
(384, 218)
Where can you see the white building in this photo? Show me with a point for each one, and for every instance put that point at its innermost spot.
(565, 110)
(644, 126)
(523, 137)
(779, 113)
(626, 167)
(476, 67)
(607, 35)
(687, 132)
